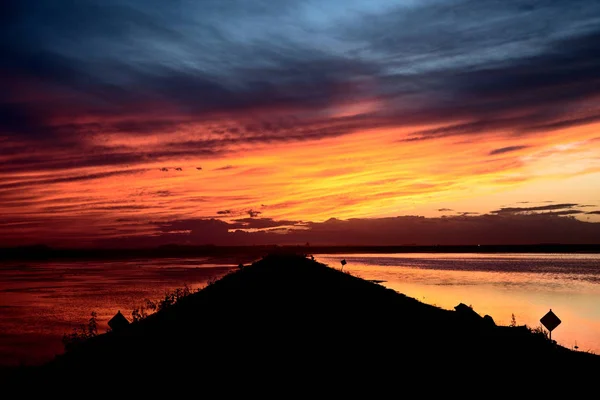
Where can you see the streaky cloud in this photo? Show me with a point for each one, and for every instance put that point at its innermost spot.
(510, 210)
(508, 149)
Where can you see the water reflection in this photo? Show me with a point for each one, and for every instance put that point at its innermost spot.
(39, 302)
(499, 285)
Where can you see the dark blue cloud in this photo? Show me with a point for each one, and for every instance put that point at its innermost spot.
(466, 64)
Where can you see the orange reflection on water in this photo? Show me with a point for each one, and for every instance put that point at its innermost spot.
(529, 295)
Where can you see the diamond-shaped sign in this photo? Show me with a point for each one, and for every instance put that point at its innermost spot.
(550, 320)
(343, 263)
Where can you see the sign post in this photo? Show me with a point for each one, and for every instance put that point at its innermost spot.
(550, 321)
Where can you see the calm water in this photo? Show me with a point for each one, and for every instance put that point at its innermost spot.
(500, 285)
(39, 302)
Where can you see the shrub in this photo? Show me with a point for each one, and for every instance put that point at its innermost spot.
(144, 310)
(171, 298)
(89, 330)
(81, 334)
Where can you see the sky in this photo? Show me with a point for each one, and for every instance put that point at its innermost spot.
(230, 122)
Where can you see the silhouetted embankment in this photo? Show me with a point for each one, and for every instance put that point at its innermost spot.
(289, 323)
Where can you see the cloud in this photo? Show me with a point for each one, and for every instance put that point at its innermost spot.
(513, 210)
(123, 207)
(197, 227)
(445, 209)
(94, 156)
(402, 230)
(508, 149)
(439, 67)
(493, 229)
(71, 178)
(565, 212)
(260, 223)
(224, 168)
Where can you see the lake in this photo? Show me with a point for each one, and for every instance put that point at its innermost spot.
(41, 301)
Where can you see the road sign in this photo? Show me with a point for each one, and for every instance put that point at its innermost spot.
(550, 321)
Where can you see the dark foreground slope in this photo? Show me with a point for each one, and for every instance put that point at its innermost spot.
(289, 323)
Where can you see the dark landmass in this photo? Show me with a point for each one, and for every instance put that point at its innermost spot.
(287, 326)
(237, 254)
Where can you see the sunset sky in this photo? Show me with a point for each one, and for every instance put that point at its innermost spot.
(146, 122)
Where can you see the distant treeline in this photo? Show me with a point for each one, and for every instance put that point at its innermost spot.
(42, 252)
